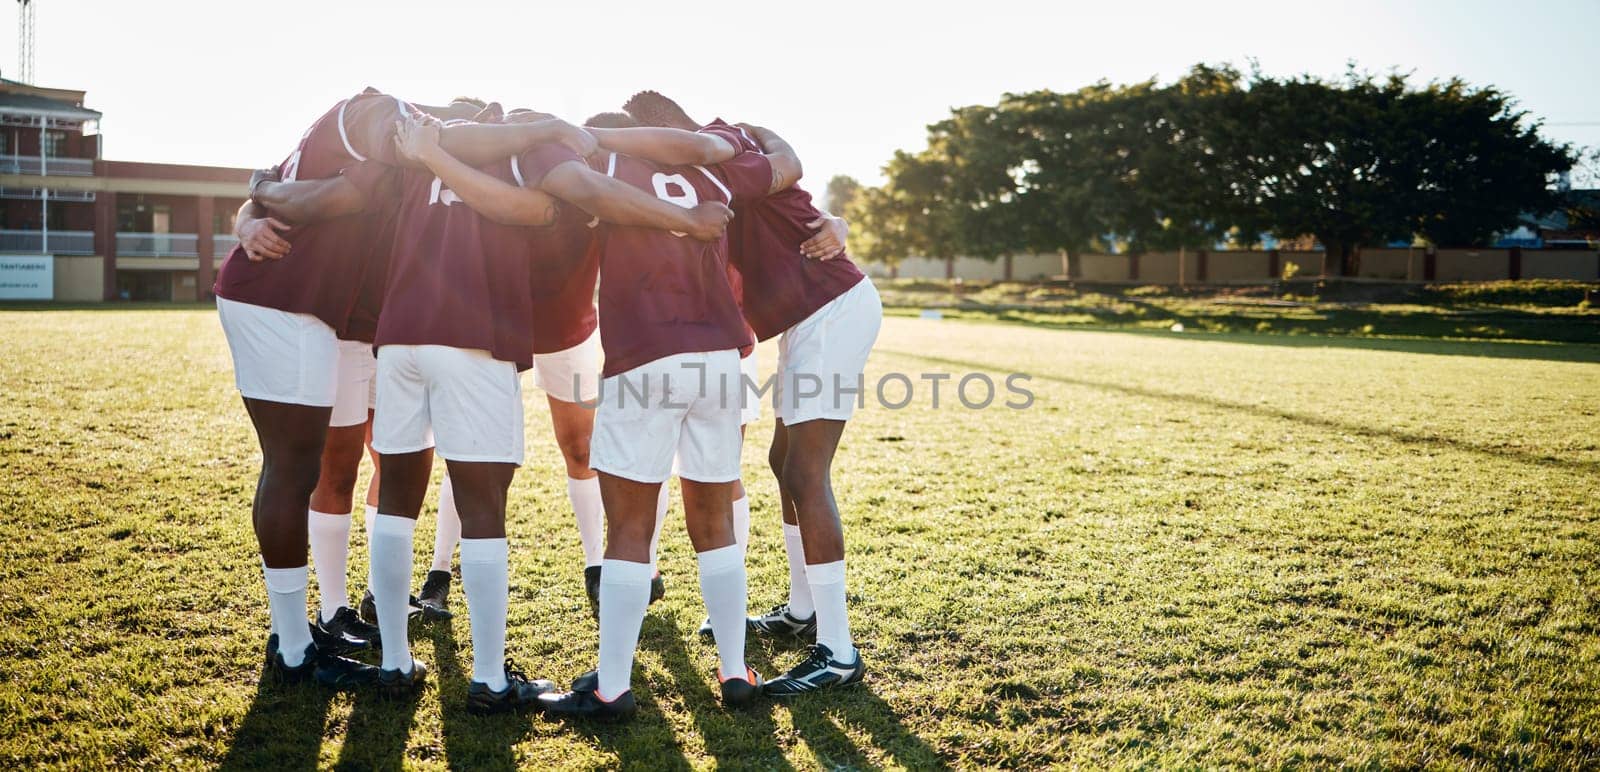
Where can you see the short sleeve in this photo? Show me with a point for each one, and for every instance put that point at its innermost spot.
(367, 125)
(535, 163)
(747, 175)
(732, 134)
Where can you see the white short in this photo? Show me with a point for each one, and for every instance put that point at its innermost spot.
(685, 404)
(279, 356)
(750, 401)
(354, 396)
(821, 359)
(463, 400)
(556, 372)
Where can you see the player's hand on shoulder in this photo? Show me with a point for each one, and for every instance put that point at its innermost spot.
(755, 133)
(710, 219)
(415, 140)
(260, 238)
(830, 239)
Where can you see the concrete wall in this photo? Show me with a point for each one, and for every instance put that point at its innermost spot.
(1159, 267)
(79, 279)
(1392, 264)
(1232, 267)
(1473, 264)
(1582, 266)
(1310, 263)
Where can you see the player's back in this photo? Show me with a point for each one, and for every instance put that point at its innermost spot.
(782, 286)
(664, 293)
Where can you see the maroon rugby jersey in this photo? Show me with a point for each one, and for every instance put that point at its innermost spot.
(782, 286)
(323, 272)
(463, 279)
(663, 293)
(564, 281)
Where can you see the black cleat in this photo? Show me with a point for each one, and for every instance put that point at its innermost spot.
(740, 692)
(283, 672)
(587, 682)
(819, 670)
(345, 633)
(586, 704)
(705, 630)
(369, 608)
(658, 588)
(779, 622)
(399, 685)
(434, 599)
(591, 585)
(519, 693)
(342, 673)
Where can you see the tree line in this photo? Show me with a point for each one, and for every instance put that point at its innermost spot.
(1216, 156)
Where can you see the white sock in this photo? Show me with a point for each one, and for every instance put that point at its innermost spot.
(741, 522)
(448, 533)
(330, 555)
(591, 514)
(624, 594)
(827, 592)
(390, 580)
(722, 586)
(663, 502)
(800, 603)
(485, 580)
(372, 512)
(286, 600)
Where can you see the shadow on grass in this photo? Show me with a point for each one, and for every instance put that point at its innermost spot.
(283, 728)
(1333, 424)
(735, 738)
(471, 742)
(822, 718)
(375, 736)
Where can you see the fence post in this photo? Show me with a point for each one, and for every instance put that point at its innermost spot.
(1008, 268)
(1430, 264)
(1202, 259)
(1274, 265)
(1514, 270)
(1133, 266)
(949, 268)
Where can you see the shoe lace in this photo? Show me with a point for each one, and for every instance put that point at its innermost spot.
(778, 610)
(514, 673)
(816, 659)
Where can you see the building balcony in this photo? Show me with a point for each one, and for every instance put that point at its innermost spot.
(32, 164)
(57, 243)
(176, 245)
(171, 244)
(55, 194)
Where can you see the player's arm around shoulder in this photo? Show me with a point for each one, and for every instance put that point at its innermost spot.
(673, 147)
(786, 168)
(619, 203)
(494, 199)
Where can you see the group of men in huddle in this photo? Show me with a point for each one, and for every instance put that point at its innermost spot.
(401, 268)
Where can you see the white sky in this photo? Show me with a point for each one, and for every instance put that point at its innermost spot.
(232, 83)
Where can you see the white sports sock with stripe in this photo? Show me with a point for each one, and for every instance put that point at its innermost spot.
(591, 514)
(448, 533)
(663, 503)
(833, 624)
(723, 587)
(800, 602)
(330, 556)
(390, 580)
(286, 600)
(485, 580)
(624, 595)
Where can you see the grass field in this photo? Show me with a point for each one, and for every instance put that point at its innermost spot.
(1192, 550)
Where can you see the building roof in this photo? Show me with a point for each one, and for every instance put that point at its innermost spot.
(61, 102)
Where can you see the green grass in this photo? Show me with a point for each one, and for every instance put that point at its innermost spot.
(1192, 550)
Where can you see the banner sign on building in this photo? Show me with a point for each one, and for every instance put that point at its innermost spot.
(27, 277)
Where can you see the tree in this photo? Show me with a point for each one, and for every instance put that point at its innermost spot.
(842, 190)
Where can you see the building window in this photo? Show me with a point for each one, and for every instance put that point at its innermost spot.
(5, 142)
(53, 141)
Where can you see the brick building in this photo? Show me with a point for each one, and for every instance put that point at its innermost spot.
(102, 230)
